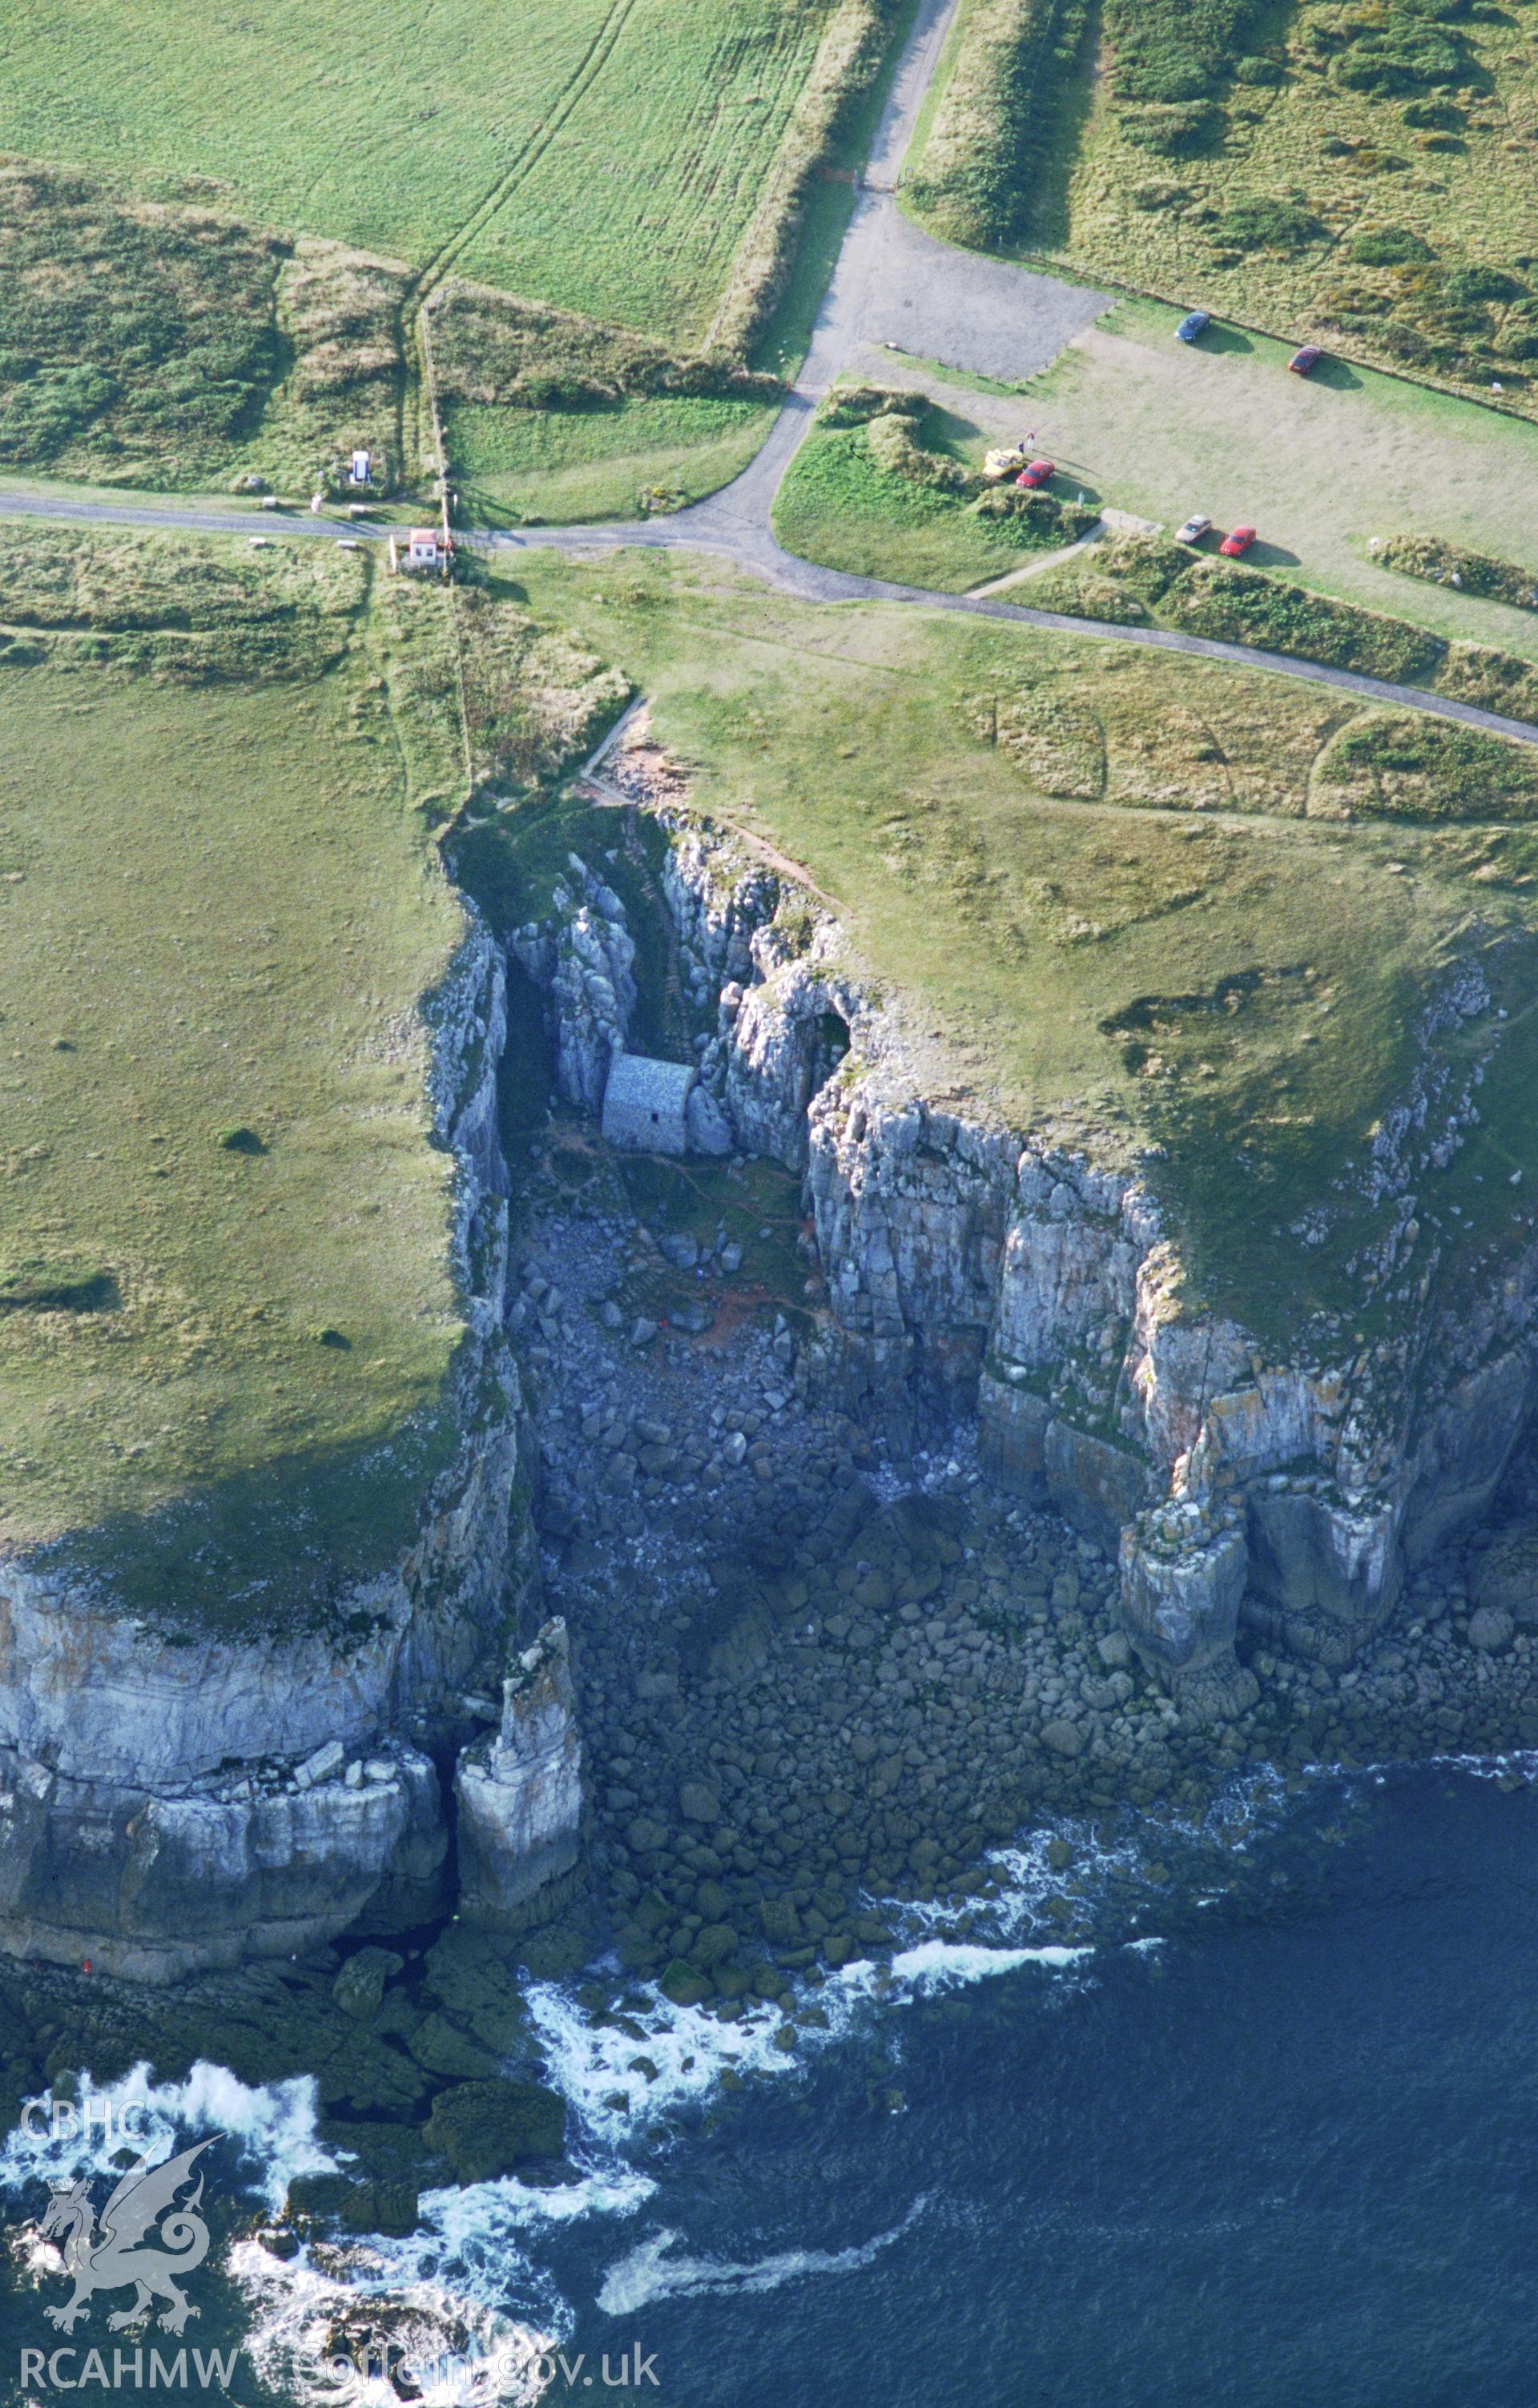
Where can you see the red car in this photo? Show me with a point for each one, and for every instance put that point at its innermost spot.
(1237, 542)
(1037, 474)
(1305, 360)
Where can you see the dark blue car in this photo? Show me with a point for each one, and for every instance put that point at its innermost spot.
(1193, 325)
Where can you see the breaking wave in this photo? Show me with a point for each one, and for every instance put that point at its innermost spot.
(272, 2124)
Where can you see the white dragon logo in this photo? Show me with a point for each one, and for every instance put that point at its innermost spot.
(111, 2259)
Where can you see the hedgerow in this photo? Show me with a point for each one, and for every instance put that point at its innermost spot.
(490, 348)
(976, 180)
(894, 423)
(1244, 606)
(1047, 519)
(895, 449)
(1495, 681)
(1426, 556)
(855, 405)
(846, 64)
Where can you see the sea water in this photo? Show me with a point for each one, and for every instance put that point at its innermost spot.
(1241, 2114)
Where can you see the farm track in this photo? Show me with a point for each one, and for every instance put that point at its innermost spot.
(735, 523)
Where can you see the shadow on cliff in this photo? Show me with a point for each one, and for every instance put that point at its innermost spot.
(276, 1548)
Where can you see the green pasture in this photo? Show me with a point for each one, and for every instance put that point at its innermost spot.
(227, 1311)
(606, 154)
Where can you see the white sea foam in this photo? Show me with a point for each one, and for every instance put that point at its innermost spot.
(651, 2272)
(272, 2123)
(464, 2298)
(946, 1964)
(345, 2330)
(617, 2082)
(466, 2295)
(595, 2065)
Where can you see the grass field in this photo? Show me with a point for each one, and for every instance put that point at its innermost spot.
(1320, 466)
(606, 154)
(1049, 846)
(1363, 175)
(179, 303)
(557, 467)
(225, 1288)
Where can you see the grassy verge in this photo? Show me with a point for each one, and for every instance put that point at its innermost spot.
(1007, 76)
(887, 485)
(846, 69)
(1057, 853)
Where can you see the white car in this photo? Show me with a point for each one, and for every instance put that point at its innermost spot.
(1194, 529)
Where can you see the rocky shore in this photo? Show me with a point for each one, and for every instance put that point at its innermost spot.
(1269, 1510)
(812, 1670)
(815, 1672)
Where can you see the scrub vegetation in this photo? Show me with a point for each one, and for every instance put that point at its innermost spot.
(143, 343)
(1166, 584)
(1450, 564)
(1361, 175)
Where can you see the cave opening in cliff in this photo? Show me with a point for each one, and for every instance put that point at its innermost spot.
(832, 1041)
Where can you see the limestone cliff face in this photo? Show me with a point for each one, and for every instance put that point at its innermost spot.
(152, 1883)
(521, 1792)
(580, 959)
(975, 1269)
(155, 1795)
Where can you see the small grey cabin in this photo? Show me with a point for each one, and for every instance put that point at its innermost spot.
(645, 1104)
